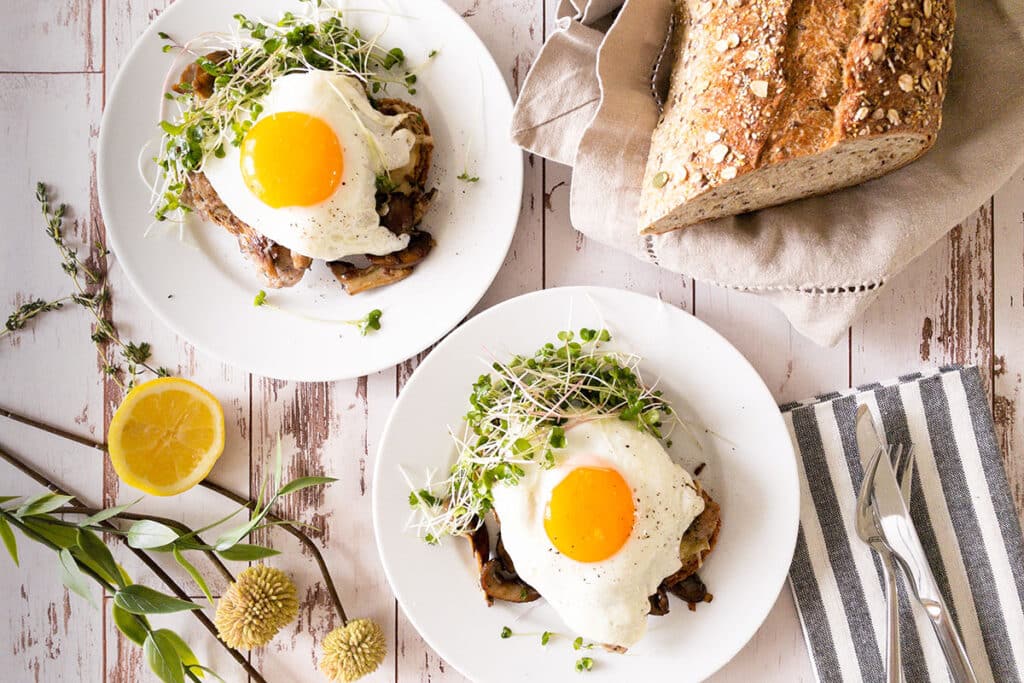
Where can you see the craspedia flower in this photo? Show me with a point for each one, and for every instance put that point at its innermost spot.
(261, 602)
(353, 651)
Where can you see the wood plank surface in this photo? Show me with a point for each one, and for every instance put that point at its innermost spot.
(962, 301)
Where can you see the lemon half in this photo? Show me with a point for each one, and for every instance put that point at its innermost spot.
(166, 436)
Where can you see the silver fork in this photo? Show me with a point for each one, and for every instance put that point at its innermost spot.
(868, 530)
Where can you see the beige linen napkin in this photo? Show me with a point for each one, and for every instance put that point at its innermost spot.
(587, 102)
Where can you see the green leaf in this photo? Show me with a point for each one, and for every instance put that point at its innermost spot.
(163, 658)
(41, 504)
(47, 528)
(245, 552)
(9, 541)
(194, 573)
(146, 533)
(7, 499)
(206, 669)
(185, 654)
(231, 538)
(98, 554)
(72, 577)
(142, 600)
(302, 483)
(104, 515)
(131, 625)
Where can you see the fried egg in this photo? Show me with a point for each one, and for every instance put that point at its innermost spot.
(597, 533)
(305, 175)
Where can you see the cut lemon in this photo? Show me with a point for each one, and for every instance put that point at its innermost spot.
(166, 436)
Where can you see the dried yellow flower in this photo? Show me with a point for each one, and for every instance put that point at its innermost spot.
(353, 651)
(261, 602)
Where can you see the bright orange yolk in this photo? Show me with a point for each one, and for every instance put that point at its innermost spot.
(590, 514)
(292, 159)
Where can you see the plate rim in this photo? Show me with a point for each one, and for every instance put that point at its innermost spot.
(793, 495)
(107, 195)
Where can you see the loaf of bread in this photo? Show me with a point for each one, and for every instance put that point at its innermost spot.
(774, 100)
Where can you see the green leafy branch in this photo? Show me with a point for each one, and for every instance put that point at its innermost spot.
(37, 518)
(91, 292)
(82, 555)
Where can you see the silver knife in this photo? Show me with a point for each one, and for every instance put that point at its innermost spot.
(901, 536)
(869, 443)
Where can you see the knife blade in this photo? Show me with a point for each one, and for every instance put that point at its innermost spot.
(901, 536)
(868, 439)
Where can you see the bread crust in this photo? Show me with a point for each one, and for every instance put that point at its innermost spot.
(758, 83)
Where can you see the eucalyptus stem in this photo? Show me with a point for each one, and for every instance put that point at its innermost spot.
(146, 559)
(295, 531)
(167, 521)
(292, 529)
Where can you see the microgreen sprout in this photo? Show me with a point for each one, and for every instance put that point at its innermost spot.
(260, 298)
(369, 322)
(584, 664)
(519, 416)
(242, 66)
(578, 644)
(545, 637)
(506, 632)
(464, 176)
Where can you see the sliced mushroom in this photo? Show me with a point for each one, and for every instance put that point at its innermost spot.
(500, 585)
(480, 542)
(503, 556)
(420, 245)
(195, 79)
(659, 603)
(399, 215)
(691, 589)
(698, 540)
(356, 280)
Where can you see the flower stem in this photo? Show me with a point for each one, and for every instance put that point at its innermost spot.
(146, 559)
(294, 530)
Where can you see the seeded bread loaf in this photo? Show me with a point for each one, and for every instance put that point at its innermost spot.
(774, 100)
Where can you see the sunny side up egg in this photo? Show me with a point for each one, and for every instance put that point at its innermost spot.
(597, 533)
(305, 175)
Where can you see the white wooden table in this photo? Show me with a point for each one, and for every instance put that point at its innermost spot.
(962, 301)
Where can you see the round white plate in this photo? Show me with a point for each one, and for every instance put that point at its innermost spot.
(750, 469)
(203, 288)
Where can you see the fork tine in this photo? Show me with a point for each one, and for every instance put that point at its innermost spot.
(907, 476)
(895, 452)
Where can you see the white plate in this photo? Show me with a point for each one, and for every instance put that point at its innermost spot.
(203, 288)
(750, 470)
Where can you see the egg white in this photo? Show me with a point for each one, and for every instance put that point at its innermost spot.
(607, 601)
(347, 222)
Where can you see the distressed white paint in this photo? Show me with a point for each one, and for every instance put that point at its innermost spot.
(48, 126)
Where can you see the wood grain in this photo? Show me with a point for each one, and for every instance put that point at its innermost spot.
(1008, 330)
(48, 36)
(936, 312)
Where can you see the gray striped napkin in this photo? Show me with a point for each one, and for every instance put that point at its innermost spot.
(961, 507)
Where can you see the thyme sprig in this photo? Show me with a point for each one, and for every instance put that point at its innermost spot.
(257, 53)
(519, 414)
(24, 313)
(91, 292)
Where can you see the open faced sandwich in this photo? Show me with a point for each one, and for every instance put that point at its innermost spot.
(563, 452)
(770, 101)
(283, 138)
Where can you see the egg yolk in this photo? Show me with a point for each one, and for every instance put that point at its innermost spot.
(291, 159)
(590, 515)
